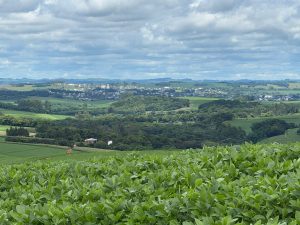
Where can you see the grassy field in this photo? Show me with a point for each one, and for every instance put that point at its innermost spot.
(290, 136)
(57, 102)
(196, 101)
(26, 87)
(294, 85)
(22, 114)
(4, 127)
(16, 153)
(17, 88)
(19, 153)
(11, 153)
(247, 123)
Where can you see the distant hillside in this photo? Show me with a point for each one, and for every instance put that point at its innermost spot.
(131, 104)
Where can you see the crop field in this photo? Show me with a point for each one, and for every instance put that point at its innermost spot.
(247, 123)
(250, 184)
(22, 114)
(196, 101)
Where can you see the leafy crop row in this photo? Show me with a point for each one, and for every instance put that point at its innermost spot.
(251, 184)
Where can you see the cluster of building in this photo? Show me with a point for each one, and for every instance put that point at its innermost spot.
(113, 92)
(280, 98)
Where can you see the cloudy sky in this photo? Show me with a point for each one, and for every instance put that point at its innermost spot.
(198, 39)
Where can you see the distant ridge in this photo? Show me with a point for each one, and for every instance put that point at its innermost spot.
(141, 81)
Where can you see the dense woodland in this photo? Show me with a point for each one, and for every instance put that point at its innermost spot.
(17, 131)
(244, 109)
(129, 104)
(142, 135)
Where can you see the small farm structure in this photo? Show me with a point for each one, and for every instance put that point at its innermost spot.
(90, 140)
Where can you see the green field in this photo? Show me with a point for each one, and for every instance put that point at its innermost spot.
(290, 136)
(63, 102)
(196, 101)
(249, 184)
(247, 123)
(17, 87)
(19, 153)
(3, 127)
(16, 153)
(26, 87)
(22, 114)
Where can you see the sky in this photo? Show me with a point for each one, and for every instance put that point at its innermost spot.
(141, 39)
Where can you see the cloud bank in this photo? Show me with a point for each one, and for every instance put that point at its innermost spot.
(199, 39)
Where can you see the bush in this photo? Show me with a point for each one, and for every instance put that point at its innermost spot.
(31, 140)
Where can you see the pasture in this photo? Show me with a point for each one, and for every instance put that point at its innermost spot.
(73, 103)
(19, 153)
(290, 136)
(246, 123)
(23, 114)
(196, 101)
(11, 153)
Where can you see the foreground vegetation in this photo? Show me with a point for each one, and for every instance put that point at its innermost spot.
(250, 184)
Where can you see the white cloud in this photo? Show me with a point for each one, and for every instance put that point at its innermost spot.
(127, 38)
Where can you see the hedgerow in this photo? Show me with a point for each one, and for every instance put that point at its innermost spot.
(250, 184)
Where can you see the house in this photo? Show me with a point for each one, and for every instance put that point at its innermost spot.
(90, 141)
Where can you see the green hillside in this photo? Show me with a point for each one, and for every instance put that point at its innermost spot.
(247, 122)
(290, 136)
(196, 101)
(250, 184)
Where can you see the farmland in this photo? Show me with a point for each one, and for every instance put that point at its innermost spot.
(23, 114)
(196, 101)
(250, 184)
(11, 153)
(162, 183)
(59, 102)
(290, 136)
(247, 122)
